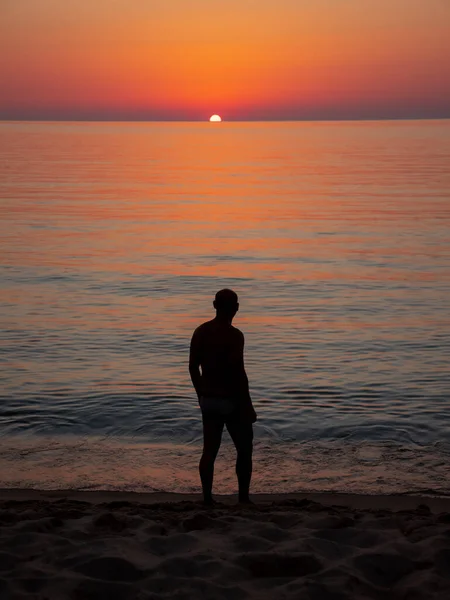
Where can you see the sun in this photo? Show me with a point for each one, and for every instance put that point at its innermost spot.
(215, 119)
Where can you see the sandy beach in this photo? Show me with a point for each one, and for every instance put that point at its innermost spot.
(95, 545)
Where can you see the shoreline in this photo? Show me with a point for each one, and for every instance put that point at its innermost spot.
(391, 502)
(281, 468)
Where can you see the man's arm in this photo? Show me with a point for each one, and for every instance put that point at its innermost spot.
(243, 382)
(194, 363)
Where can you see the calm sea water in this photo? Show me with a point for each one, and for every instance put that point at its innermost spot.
(114, 239)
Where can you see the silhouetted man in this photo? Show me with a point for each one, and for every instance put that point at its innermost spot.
(222, 389)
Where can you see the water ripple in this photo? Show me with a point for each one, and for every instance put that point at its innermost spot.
(113, 247)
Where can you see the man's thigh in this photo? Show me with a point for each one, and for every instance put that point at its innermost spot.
(212, 432)
(242, 434)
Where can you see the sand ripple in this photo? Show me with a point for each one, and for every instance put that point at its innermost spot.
(286, 549)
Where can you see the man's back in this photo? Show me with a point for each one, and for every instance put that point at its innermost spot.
(218, 348)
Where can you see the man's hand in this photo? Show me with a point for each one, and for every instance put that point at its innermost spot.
(248, 413)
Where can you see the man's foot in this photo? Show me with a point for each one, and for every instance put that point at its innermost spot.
(246, 500)
(209, 501)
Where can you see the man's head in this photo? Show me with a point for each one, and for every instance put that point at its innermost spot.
(226, 303)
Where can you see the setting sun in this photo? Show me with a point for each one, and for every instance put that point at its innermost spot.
(215, 119)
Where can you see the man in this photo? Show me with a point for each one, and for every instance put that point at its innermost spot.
(223, 394)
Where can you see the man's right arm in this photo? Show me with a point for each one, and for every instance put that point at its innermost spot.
(243, 381)
(194, 363)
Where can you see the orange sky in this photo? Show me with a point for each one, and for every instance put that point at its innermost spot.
(244, 59)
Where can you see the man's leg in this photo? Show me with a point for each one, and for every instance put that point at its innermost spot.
(242, 435)
(212, 437)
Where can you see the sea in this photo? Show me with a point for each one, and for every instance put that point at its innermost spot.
(114, 238)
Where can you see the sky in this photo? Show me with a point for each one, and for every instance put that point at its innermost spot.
(242, 59)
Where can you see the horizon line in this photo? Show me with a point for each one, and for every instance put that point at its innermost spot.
(304, 120)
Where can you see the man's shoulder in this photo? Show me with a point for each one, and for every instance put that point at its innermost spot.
(210, 327)
(203, 328)
(237, 333)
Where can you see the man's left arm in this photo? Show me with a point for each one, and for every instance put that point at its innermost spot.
(194, 363)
